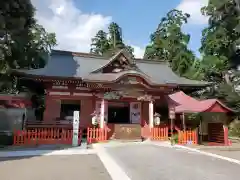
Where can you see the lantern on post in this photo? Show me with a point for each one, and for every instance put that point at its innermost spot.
(95, 119)
(157, 120)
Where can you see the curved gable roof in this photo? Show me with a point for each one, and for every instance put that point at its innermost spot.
(115, 57)
(82, 65)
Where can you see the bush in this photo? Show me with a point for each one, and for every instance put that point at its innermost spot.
(174, 139)
(6, 139)
(234, 128)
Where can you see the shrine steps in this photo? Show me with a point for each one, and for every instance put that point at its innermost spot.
(125, 132)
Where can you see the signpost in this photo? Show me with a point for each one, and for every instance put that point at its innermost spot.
(75, 128)
(172, 117)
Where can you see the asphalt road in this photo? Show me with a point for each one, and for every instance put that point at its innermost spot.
(73, 167)
(149, 162)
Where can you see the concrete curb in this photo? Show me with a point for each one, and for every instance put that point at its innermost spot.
(210, 154)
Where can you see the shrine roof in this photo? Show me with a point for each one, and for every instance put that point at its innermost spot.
(64, 64)
(183, 103)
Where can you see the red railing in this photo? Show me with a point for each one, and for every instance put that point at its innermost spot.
(96, 135)
(43, 136)
(159, 133)
(188, 137)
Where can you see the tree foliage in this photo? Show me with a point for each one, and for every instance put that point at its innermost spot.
(23, 42)
(220, 38)
(220, 54)
(100, 43)
(109, 43)
(169, 43)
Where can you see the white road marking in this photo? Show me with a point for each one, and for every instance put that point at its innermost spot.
(210, 154)
(114, 170)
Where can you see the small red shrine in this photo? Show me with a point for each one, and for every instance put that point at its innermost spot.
(125, 92)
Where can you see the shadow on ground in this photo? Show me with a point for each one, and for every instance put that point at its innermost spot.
(15, 153)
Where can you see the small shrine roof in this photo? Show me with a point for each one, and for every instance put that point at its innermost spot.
(183, 103)
(64, 64)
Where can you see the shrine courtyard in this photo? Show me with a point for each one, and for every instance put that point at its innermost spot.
(128, 161)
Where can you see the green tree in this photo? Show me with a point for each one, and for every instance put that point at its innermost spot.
(220, 53)
(220, 38)
(115, 36)
(109, 43)
(23, 43)
(16, 19)
(100, 44)
(169, 43)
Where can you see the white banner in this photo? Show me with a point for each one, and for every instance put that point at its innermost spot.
(135, 112)
(75, 128)
(98, 109)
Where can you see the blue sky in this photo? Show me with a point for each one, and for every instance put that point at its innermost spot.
(76, 21)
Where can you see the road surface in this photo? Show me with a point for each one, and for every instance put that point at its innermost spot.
(122, 162)
(57, 167)
(149, 162)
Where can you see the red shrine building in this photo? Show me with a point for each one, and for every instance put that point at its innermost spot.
(125, 92)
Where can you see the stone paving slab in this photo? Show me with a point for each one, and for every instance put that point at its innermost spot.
(73, 167)
(150, 162)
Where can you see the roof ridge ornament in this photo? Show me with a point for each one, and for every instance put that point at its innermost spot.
(124, 61)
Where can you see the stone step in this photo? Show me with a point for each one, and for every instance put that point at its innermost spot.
(127, 131)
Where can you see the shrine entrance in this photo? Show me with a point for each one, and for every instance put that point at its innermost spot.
(121, 123)
(124, 113)
(118, 112)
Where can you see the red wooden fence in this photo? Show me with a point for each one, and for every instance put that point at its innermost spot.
(44, 136)
(188, 137)
(96, 135)
(159, 133)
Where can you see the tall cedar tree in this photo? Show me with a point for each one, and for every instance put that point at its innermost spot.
(169, 43)
(220, 53)
(100, 44)
(109, 43)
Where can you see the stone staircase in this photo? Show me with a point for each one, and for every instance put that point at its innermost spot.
(127, 131)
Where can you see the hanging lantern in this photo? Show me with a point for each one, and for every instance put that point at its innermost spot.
(157, 120)
(94, 119)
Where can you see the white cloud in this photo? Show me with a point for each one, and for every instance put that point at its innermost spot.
(74, 28)
(138, 51)
(193, 7)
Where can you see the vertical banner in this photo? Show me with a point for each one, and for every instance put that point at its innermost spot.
(75, 128)
(98, 109)
(135, 112)
(151, 113)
